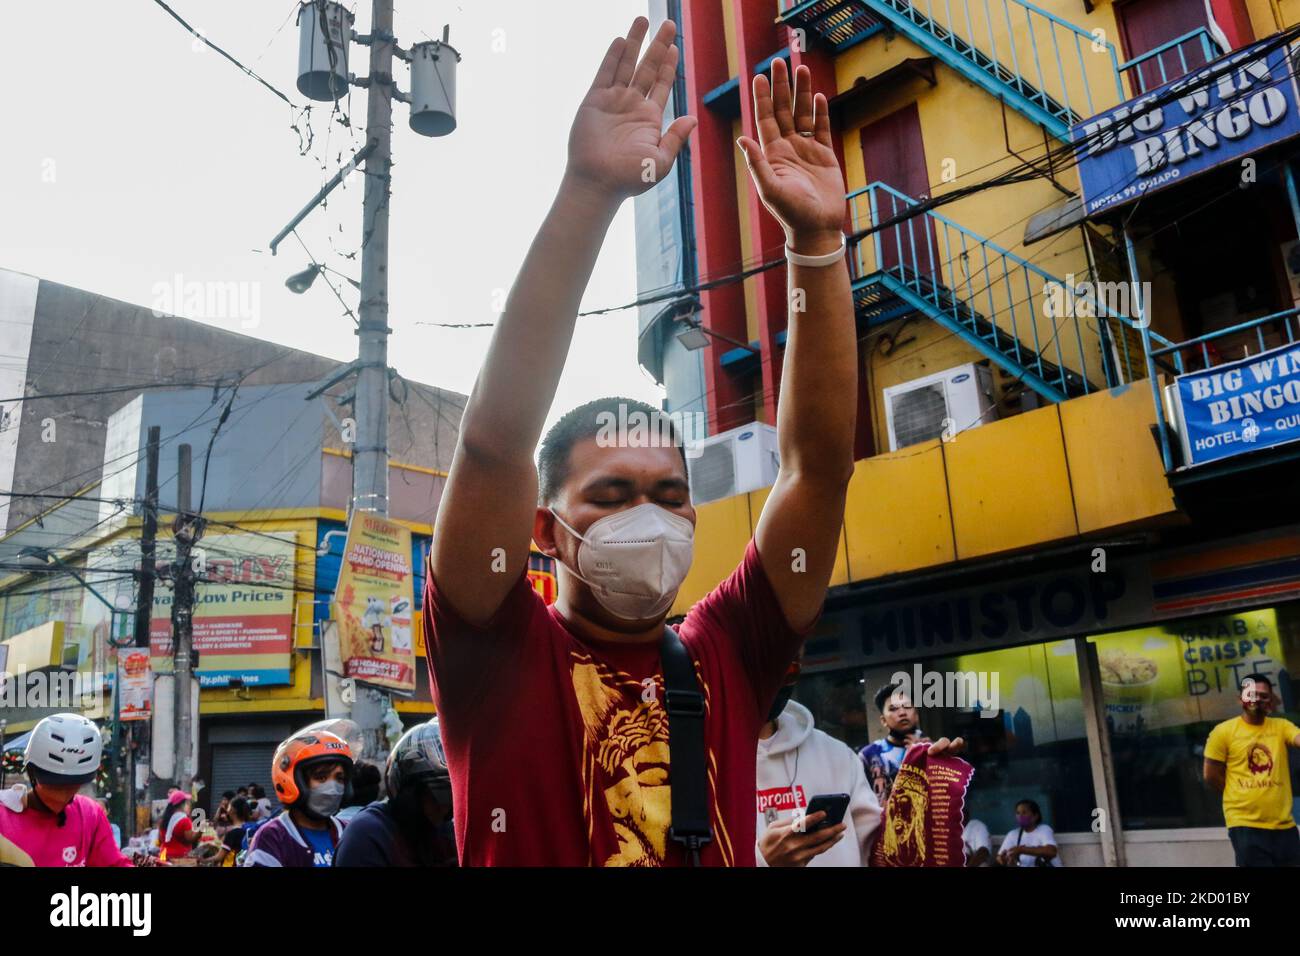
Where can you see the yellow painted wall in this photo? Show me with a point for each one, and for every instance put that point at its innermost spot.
(723, 528)
(965, 142)
(729, 35)
(897, 517)
(1009, 485)
(1114, 470)
(1083, 467)
(743, 220)
(1271, 16)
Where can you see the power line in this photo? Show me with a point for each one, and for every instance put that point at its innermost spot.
(177, 17)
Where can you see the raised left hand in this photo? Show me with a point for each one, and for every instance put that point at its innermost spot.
(795, 169)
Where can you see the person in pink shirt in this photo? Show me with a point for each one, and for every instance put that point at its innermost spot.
(49, 823)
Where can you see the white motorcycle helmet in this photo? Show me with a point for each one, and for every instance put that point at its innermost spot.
(64, 749)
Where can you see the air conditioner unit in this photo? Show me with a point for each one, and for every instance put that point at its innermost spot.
(743, 459)
(946, 402)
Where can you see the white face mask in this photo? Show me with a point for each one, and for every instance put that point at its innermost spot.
(634, 561)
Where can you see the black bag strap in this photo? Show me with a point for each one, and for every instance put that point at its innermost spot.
(684, 703)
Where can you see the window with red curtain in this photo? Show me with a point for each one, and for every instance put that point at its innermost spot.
(1147, 24)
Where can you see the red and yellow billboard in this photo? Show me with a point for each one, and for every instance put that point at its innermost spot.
(243, 610)
(374, 602)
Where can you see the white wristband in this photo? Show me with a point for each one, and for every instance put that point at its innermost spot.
(830, 259)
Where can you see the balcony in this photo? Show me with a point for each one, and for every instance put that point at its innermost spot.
(1049, 69)
(1056, 338)
(1012, 485)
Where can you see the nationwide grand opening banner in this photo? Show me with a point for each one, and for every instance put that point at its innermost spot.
(373, 603)
(1231, 108)
(243, 609)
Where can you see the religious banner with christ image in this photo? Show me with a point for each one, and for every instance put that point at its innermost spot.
(922, 823)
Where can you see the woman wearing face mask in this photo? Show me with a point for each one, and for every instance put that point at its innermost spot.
(1032, 842)
(50, 824)
(312, 774)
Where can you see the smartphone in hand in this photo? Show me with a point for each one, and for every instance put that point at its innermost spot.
(835, 805)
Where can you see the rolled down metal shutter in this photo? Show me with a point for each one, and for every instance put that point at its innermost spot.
(237, 765)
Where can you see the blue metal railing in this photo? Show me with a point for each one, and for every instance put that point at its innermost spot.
(1144, 67)
(1050, 68)
(1285, 319)
(1058, 67)
(1034, 320)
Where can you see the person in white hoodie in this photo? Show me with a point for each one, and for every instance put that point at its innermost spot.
(796, 762)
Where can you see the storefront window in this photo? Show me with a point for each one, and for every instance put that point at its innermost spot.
(1031, 745)
(1166, 686)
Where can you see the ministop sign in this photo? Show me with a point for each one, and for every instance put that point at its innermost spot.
(1243, 406)
(1235, 106)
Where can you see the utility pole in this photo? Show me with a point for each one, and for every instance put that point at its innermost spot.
(144, 600)
(186, 530)
(370, 454)
(325, 30)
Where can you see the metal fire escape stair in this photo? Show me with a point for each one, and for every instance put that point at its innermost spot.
(886, 295)
(1047, 86)
(1058, 340)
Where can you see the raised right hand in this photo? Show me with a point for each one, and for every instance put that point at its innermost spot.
(616, 146)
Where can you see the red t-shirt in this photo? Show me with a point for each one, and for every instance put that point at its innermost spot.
(172, 844)
(557, 748)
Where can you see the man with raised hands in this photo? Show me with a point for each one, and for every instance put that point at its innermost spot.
(553, 717)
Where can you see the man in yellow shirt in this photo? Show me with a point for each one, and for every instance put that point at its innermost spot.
(1246, 760)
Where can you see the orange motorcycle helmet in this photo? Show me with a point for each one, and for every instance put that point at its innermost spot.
(301, 751)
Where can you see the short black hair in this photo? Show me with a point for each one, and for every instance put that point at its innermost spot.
(587, 421)
(886, 692)
(228, 795)
(240, 808)
(1258, 679)
(1033, 808)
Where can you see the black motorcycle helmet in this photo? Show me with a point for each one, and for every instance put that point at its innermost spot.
(419, 758)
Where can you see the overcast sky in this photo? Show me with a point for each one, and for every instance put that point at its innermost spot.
(135, 159)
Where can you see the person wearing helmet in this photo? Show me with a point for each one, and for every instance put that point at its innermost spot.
(50, 823)
(312, 774)
(412, 826)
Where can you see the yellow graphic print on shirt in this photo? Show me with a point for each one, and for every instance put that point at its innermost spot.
(625, 760)
(1257, 790)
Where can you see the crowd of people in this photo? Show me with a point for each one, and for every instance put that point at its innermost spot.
(586, 731)
(339, 810)
(796, 762)
(334, 808)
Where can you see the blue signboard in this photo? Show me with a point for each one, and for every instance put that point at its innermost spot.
(1228, 109)
(1243, 406)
